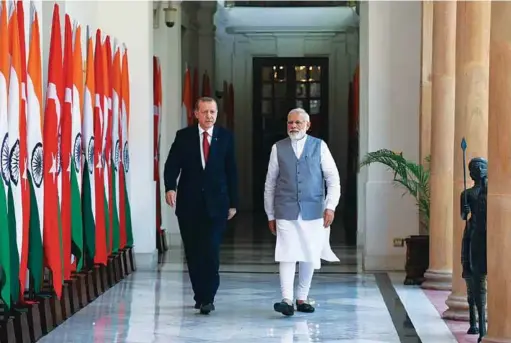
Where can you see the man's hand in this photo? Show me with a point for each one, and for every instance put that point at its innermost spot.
(273, 227)
(232, 213)
(328, 218)
(170, 198)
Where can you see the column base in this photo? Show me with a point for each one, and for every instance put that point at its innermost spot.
(438, 280)
(488, 339)
(457, 308)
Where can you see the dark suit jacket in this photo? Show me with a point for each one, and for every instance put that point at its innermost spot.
(216, 185)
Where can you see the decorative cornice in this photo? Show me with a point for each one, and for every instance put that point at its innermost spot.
(292, 30)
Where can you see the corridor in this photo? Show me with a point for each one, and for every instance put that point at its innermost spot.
(157, 306)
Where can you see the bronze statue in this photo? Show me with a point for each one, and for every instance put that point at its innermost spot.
(473, 250)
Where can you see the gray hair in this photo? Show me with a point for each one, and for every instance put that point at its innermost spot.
(301, 112)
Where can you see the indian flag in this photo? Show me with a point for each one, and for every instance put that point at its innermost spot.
(76, 153)
(23, 157)
(125, 209)
(5, 247)
(16, 155)
(116, 152)
(35, 151)
(89, 198)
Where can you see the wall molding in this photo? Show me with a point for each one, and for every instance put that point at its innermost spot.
(296, 30)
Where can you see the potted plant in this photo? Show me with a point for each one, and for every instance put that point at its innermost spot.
(414, 178)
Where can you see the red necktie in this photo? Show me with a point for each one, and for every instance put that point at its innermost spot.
(205, 146)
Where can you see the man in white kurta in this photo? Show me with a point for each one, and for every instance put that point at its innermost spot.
(298, 211)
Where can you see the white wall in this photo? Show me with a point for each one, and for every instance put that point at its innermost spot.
(167, 46)
(234, 64)
(390, 36)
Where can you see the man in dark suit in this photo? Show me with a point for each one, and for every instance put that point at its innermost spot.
(207, 196)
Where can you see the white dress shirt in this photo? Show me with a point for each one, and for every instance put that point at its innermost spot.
(328, 166)
(201, 136)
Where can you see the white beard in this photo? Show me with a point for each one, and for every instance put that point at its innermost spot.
(297, 135)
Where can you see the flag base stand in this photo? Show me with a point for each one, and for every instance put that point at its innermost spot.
(122, 259)
(74, 302)
(65, 301)
(40, 313)
(132, 260)
(105, 275)
(21, 329)
(104, 278)
(56, 311)
(81, 291)
(112, 271)
(127, 262)
(161, 241)
(34, 318)
(55, 303)
(7, 333)
(117, 267)
(89, 284)
(98, 284)
(45, 312)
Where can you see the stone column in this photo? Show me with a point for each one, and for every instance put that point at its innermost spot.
(426, 65)
(499, 177)
(472, 73)
(438, 275)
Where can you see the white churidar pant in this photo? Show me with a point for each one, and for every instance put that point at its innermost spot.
(287, 278)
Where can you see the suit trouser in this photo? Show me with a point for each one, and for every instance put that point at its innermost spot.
(202, 236)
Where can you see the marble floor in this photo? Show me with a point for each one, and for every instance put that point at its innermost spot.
(351, 306)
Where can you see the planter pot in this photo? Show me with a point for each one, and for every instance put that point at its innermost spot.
(417, 259)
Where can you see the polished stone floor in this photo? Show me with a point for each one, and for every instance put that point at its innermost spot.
(351, 306)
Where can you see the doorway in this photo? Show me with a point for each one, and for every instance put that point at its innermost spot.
(279, 85)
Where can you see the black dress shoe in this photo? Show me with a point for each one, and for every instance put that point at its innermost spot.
(304, 307)
(284, 308)
(207, 308)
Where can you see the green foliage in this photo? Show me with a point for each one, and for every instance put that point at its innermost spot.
(413, 177)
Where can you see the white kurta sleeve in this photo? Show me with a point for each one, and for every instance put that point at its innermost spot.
(271, 182)
(331, 174)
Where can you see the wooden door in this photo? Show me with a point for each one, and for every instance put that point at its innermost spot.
(279, 85)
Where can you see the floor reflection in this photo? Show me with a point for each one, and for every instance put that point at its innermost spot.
(157, 306)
